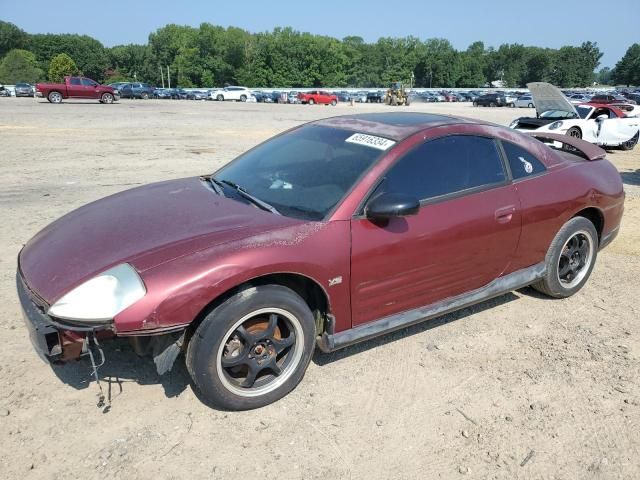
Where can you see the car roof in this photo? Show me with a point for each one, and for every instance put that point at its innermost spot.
(393, 125)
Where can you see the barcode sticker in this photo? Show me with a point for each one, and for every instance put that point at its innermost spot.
(371, 141)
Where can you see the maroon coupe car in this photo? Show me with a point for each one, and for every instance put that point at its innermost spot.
(329, 234)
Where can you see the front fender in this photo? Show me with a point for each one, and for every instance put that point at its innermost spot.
(178, 291)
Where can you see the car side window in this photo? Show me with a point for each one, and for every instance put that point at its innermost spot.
(522, 163)
(446, 165)
(75, 81)
(88, 83)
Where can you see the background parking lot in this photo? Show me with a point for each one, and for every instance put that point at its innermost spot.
(518, 387)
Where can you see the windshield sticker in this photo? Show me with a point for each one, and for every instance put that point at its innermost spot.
(371, 141)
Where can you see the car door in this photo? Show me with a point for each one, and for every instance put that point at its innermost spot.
(463, 237)
(75, 88)
(88, 88)
(604, 127)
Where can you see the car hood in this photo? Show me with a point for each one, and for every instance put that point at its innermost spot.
(144, 226)
(547, 97)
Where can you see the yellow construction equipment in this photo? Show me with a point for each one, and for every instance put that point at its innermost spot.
(397, 95)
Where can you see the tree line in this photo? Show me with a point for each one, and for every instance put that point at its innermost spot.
(211, 55)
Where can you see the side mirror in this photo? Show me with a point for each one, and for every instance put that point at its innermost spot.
(390, 205)
(602, 117)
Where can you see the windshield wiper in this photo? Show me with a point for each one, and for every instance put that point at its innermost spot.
(256, 201)
(216, 185)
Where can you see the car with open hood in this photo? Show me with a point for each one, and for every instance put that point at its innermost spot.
(603, 125)
(329, 234)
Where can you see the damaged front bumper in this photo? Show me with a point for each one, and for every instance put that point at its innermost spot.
(53, 340)
(58, 341)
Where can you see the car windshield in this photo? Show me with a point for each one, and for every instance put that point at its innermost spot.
(557, 114)
(583, 111)
(306, 172)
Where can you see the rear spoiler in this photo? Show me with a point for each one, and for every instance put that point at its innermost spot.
(572, 144)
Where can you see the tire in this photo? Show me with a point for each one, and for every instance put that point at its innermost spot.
(312, 101)
(243, 98)
(144, 96)
(407, 102)
(220, 98)
(492, 104)
(561, 280)
(54, 97)
(246, 319)
(574, 132)
(530, 105)
(333, 103)
(475, 104)
(630, 144)
(106, 98)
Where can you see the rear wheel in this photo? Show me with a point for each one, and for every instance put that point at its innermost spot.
(312, 101)
(220, 98)
(570, 259)
(475, 104)
(530, 105)
(144, 96)
(106, 98)
(333, 103)
(492, 104)
(243, 98)
(252, 349)
(55, 97)
(629, 145)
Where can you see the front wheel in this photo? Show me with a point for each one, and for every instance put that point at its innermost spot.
(574, 132)
(55, 97)
(333, 103)
(220, 98)
(570, 259)
(312, 101)
(106, 98)
(144, 96)
(253, 349)
(243, 98)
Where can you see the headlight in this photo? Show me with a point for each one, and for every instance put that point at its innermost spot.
(102, 297)
(555, 125)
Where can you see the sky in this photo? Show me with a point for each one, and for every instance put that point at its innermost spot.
(614, 26)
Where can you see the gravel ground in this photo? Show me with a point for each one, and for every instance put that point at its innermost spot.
(518, 387)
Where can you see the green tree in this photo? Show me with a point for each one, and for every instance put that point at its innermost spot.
(89, 54)
(19, 66)
(60, 66)
(605, 76)
(627, 70)
(11, 37)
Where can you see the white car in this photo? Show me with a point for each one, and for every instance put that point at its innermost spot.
(239, 94)
(524, 101)
(602, 125)
(579, 98)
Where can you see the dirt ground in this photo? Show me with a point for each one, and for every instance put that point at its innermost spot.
(521, 387)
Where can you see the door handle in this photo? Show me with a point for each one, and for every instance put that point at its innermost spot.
(505, 214)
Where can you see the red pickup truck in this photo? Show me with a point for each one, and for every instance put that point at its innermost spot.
(76, 87)
(318, 96)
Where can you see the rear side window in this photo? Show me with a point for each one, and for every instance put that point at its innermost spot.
(522, 163)
(75, 81)
(446, 165)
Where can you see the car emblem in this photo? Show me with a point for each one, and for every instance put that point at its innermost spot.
(335, 281)
(528, 167)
